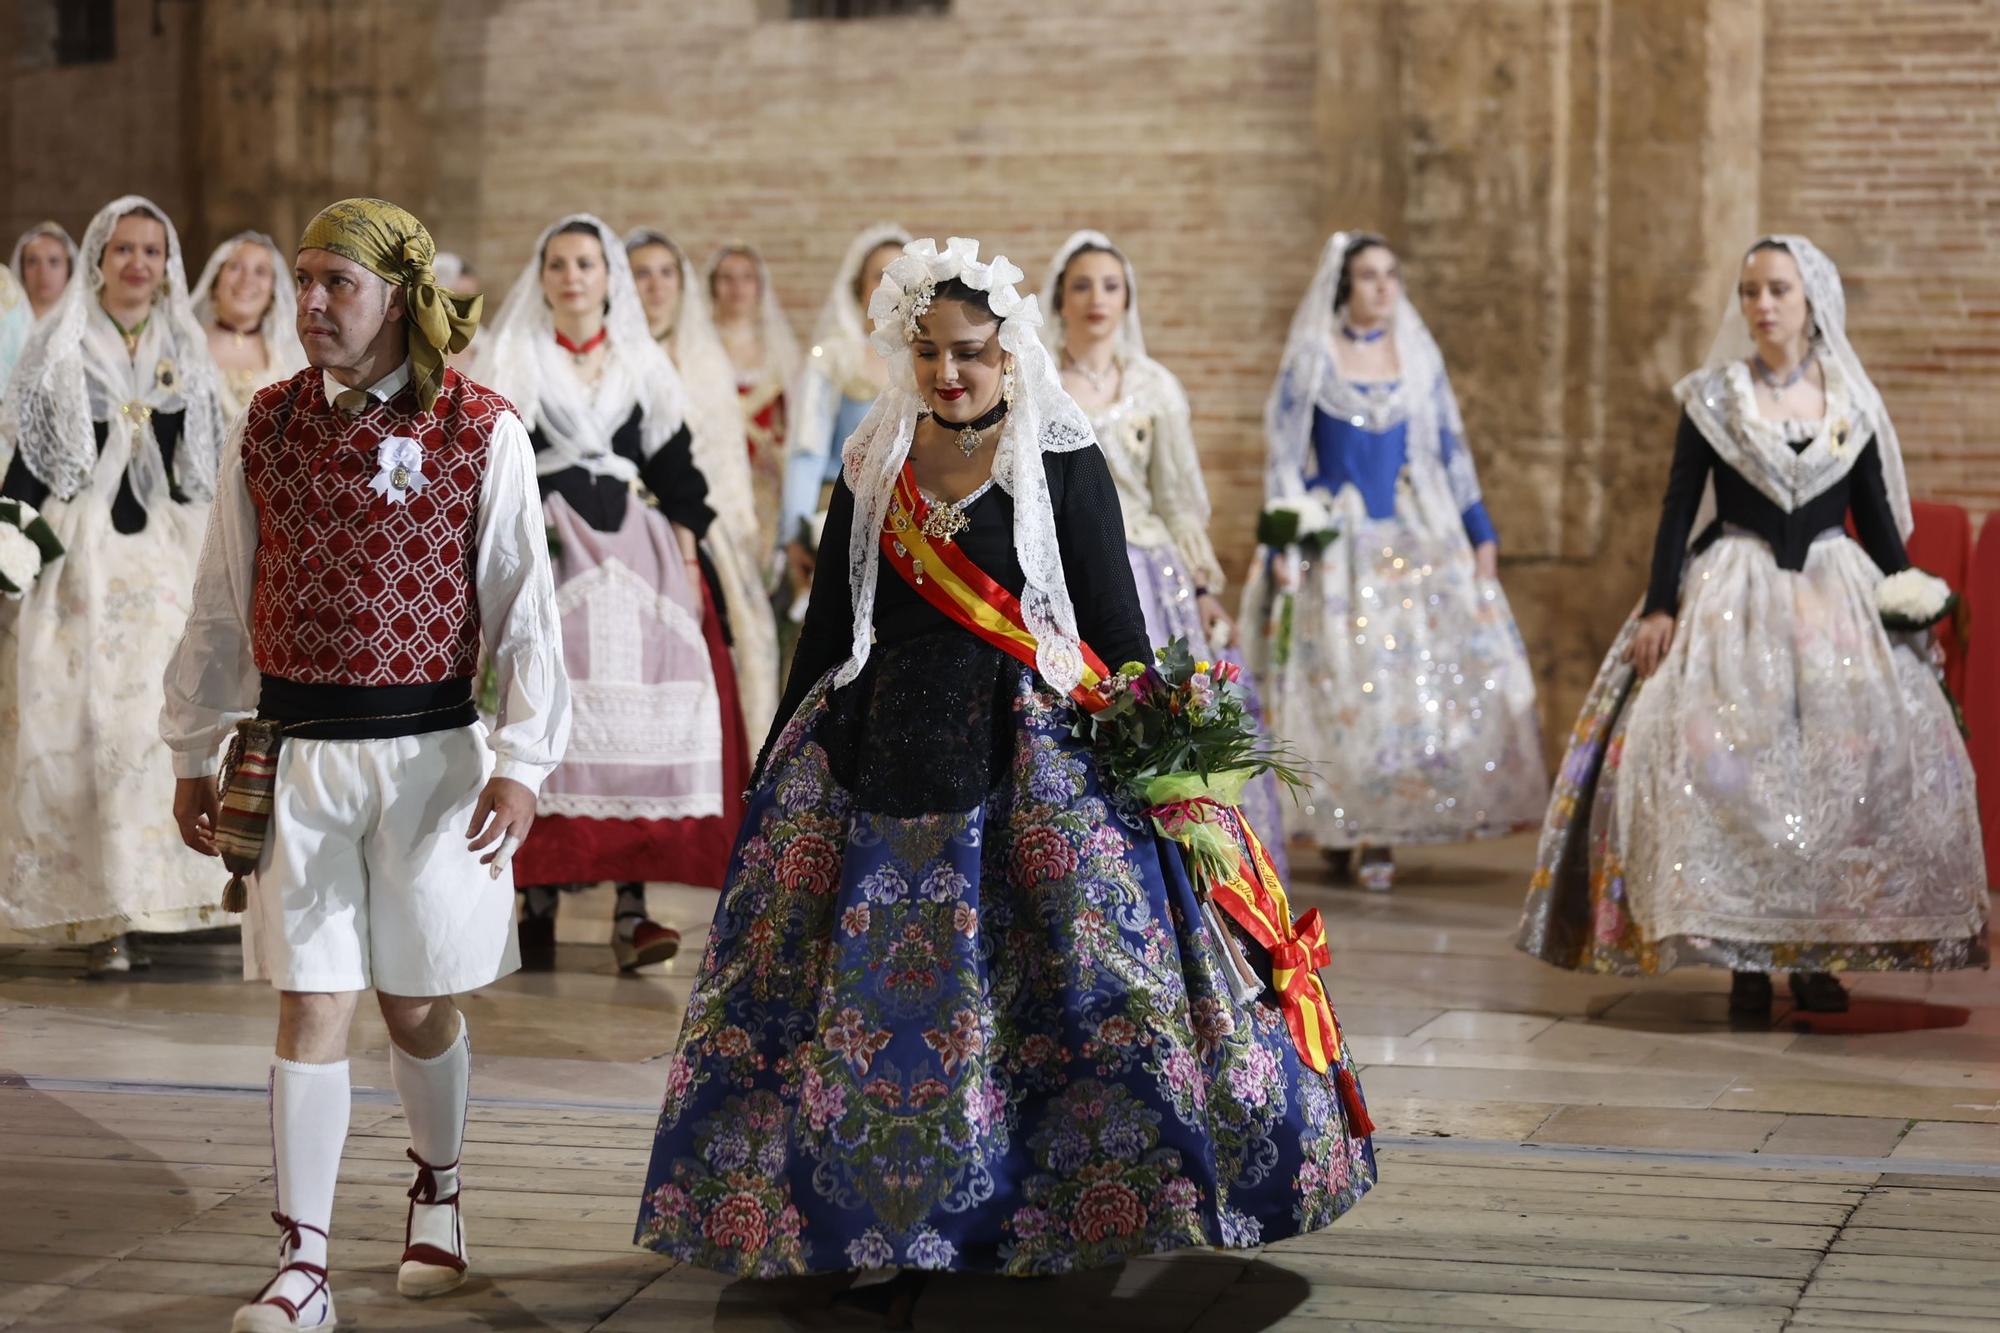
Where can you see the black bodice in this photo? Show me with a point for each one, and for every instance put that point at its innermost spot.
(1738, 504)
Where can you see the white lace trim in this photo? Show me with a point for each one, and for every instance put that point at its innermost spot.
(698, 805)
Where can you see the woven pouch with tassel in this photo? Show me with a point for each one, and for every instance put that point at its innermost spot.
(249, 777)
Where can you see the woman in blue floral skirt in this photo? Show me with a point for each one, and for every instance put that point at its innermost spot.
(958, 1008)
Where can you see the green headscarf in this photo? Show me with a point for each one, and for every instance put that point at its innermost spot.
(390, 243)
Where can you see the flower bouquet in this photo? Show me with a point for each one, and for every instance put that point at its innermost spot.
(1299, 520)
(27, 546)
(1299, 524)
(1913, 600)
(1178, 737)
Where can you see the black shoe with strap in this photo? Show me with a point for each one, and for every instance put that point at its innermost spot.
(1750, 995)
(1819, 992)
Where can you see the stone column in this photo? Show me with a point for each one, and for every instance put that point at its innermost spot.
(1570, 183)
(308, 101)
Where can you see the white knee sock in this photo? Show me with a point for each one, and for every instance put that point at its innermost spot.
(309, 1109)
(434, 1096)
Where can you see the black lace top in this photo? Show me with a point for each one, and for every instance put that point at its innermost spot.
(1741, 505)
(1089, 526)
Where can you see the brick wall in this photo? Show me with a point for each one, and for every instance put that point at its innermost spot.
(1573, 181)
(73, 138)
(1882, 142)
(1184, 131)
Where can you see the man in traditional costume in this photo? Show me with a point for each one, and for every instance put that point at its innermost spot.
(376, 524)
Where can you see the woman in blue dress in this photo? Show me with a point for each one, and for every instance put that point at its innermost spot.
(1389, 658)
(958, 1009)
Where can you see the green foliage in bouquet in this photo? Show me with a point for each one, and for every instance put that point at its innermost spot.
(1181, 728)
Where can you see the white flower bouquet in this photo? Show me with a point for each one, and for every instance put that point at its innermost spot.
(1299, 520)
(27, 546)
(1914, 600)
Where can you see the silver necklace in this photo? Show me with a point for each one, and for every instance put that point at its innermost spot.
(1096, 379)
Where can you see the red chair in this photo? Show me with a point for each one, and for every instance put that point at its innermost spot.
(1982, 670)
(1942, 544)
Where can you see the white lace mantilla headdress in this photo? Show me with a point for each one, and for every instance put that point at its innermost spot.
(280, 324)
(840, 333)
(840, 346)
(1718, 400)
(518, 356)
(1043, 419)
(53, 230)
(1131, 336)
(1145, 379)
(781, 346)
(1308, 381)
(76, 371)
(709, 380)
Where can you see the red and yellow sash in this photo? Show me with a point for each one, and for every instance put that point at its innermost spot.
(942, 575)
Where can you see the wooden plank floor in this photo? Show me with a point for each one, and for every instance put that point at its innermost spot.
(132, 1209)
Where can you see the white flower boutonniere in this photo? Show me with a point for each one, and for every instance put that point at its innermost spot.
(399, 471)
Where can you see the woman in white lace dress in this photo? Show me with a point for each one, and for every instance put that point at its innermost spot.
(649, 787)
(677, 314)
(1763, 778)
(1145, 430)
(43, 262)
(115, 414)
(1390, 658)
(246, 302)
(761, 347)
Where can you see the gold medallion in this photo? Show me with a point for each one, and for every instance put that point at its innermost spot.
(164, 373)
(944, 522)
(400, 478)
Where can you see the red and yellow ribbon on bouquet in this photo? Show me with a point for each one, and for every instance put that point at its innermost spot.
(1229, 864)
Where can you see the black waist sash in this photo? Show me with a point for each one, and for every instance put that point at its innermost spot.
(366, 712)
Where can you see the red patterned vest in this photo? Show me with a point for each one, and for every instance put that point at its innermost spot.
(351, 589)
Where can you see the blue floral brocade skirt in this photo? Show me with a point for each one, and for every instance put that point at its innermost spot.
(957, 1011)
